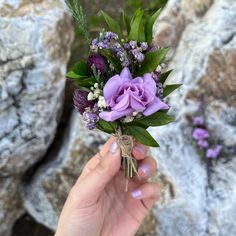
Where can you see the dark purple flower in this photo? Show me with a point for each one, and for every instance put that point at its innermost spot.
(199, 120)
(99, 62)
(214, 152)
(199, 134)
(81, 101)
(202, 143)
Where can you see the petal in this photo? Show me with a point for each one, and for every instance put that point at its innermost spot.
(123, 103)
(155, 106)
(125, 74)
(150, 84)
(112, 86)
(136, 104)
(115, 115)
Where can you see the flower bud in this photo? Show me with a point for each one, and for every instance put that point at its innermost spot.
(99, 62)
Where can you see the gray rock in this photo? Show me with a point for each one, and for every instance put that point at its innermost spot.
(203, 57)
(35, 41)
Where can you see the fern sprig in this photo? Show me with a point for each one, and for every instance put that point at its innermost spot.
(78, 13)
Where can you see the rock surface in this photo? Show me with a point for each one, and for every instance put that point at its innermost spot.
(203, 42)
(35, 39)
(204, 54)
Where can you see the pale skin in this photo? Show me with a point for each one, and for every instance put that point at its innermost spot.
(97, 205)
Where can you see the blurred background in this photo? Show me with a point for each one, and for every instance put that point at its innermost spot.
(44, 144)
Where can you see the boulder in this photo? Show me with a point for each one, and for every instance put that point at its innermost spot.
(35, 39)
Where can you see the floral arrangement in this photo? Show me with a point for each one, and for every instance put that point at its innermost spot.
(122, 85)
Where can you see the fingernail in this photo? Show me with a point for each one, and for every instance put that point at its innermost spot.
(145, 169)
(136, 193)
(114, 147)
(140, 148)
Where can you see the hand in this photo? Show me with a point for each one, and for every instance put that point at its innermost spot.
(98, 204)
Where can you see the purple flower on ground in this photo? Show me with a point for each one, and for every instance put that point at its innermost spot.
(81, 102)
(214, 152)
(125, 95)
(199, 134)
(198, 120)
(99, 62)
(202, 143)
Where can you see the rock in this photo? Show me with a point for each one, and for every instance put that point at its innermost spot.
(10, 204)
(35, 43)
(46, 193)
(35, 39)
(204, 52)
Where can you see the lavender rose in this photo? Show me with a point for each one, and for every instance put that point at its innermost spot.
(125, 95)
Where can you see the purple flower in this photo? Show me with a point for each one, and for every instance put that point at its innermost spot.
(144, 46)
(99, 62)
(91, 119)
(125, 95)
(214, 152)
(199, 134)
(199, 120)
(81, 102)
(202, 143)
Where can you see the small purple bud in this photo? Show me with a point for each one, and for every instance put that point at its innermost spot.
(91, 126)
(140, 57)
(95, 41)
(202, 143)
(133, 44)
(81, 101)
(214, 152)
(199, 134)
(99, 62)
(199, 120)
(144, 46)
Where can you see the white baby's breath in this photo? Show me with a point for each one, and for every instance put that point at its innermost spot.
(101, 102)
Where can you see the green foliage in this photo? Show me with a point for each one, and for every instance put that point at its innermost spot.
(156, 119)
(107, 127)
(170, 88)
(149, 26)
(78, 13)
(112, 59)
(164, 76)
(142, 136)
(126, 22)
(136, 27)
(112, 24)
(152, 60)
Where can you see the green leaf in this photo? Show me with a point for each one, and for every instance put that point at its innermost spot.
(152, 60)
(79, 70)
(164, 76)
(87, 83)
(108, 127)
(112, 59)
(126, 22)
(149, 26)
(112, 24)
(170, 88)
(142, 136)
(135, 26)
(157, 119)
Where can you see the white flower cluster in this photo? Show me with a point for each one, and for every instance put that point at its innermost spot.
(129, 119)
(96, 93)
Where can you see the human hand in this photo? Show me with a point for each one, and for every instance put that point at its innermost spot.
(98, 204)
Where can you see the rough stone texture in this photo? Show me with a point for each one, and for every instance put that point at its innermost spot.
(35, 38)
(46, 194)
(203, 42)
(34, 50)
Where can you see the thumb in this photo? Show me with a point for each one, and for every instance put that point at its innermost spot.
(95, 182)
